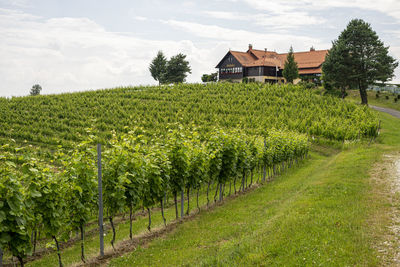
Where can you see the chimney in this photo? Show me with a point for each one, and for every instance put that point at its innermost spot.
(250, 46)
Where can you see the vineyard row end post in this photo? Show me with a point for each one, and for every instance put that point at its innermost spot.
(101, 235)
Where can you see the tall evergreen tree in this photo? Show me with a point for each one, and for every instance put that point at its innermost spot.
(335, 67)
(290, 71)
(158, 68)
(361, 57)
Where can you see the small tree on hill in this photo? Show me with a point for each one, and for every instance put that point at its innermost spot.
(35, 90)
(177, 69)
(213, 77)
(290, 71)
(361, 57)
(158, 67)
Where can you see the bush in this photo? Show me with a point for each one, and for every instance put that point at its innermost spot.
(307, 85)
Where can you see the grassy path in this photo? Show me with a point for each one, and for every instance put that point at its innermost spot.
(309, 216)
(326, 213)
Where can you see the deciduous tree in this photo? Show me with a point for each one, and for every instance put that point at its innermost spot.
(177, 69)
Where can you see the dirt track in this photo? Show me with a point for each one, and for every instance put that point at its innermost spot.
(390, 111)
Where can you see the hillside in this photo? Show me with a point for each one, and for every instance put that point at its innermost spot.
(206, 143)
(53, 120)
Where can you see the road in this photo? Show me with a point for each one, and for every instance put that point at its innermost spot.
(390, 111)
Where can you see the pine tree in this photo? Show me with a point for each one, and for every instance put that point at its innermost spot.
(158, 68)
(337, 63)
(290, 71)
(361, 59)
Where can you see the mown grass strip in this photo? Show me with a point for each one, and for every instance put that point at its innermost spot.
(315, 215)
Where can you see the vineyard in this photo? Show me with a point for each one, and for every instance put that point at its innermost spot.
(63, 119)
(158, 144)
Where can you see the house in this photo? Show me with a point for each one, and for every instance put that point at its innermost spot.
(267, 66)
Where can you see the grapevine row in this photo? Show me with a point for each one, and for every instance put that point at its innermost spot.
(138, 171)
(61, 119)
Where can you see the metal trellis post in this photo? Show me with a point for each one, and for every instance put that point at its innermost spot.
(101, 235)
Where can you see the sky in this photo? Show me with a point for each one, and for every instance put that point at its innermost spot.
(78, 45)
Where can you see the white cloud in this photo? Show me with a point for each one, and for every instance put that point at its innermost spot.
(389, 7)
(275, 20)
(240, 38)
(395, 52)
(69, 54)
(15, 3)
(226, 15)
(140, 18)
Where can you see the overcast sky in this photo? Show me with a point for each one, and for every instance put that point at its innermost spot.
(80, 45)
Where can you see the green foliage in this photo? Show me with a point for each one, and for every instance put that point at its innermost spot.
(177, 69)
(114, 177)
(213, 77)
(307, 84)
(198, 163)
(51, 206)
(178, 155)
(290, 70)
(14, 215)
(35, 90)
(81, 178)
(158, 67)
(358, 59)
(49, 121)
(336, 66)
(173, 70)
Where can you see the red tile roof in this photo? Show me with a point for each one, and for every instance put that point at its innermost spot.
(308, 62)
(310, 71)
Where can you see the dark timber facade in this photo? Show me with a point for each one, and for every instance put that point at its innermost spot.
(267, 66)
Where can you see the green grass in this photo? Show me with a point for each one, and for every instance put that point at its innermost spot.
(71, 255)
(317, 215)
(354, 95)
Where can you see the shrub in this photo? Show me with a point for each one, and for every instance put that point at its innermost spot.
(307, 85)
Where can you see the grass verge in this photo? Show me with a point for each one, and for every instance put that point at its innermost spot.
(326, 213)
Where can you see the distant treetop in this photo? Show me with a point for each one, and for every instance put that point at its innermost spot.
(35, 90)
